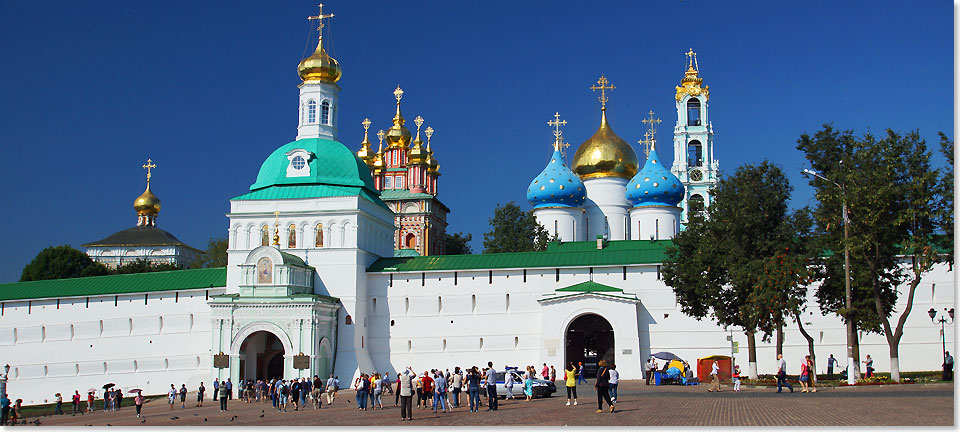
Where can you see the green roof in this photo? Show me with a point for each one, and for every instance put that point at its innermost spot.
(309, 191)
(396, 194)
(569, 254)
(589, 286)
(115, 284)
(397, 253)
(332, 164)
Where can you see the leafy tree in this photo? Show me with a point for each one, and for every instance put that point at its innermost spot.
(514, 230)
(946, 202)
(892, 196)
(61, 262)
(141, 265)
(214, 256)
(457, 244)
(723, 265)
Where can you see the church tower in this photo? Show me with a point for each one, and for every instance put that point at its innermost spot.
(319, 92)
(693, 158)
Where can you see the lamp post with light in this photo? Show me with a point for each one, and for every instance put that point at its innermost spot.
(851, 330)
(943, 336)
(3, 381)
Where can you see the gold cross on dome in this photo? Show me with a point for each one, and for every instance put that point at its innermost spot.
(692, 60)
(651, 123)
(398, 93)
(603, 87)
(429, 133)
(320, 17)
(149, 166)
(647, 143)
(276, 218)
(419, 122)
(557, 133)
(366, 124)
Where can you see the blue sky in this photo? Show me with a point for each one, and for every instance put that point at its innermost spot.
(90, 90)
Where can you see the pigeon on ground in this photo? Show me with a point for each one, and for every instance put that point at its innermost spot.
(174, 418)
(204, 419)
(143, 421)
(261, 415)
(195, 414)
(233, 418)
(36, 422)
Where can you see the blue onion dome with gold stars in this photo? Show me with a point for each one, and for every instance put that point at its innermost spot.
(654, 185)
(556, 186)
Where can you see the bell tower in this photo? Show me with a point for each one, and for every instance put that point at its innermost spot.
(693, 158)
(319, 92)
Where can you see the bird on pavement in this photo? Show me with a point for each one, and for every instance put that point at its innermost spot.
(174, 418)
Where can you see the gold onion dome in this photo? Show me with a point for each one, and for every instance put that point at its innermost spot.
(398, 135)
(147, 203)
(366, 153)
(319, 67)
(417, 154)
(605, 155)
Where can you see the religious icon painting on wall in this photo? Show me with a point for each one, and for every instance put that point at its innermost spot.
(264, 271)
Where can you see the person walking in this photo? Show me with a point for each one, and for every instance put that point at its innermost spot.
(804, 375)
(405, 390)
(831, 362)
(183, 396)
(603, 386)
(545, 372)
(200, 391)
(457, 385)
(119, 398)
(508, 384)
(440, 392)
(4, 409)
(362, 391)
(811, 374)
(377, 391)
(224, 394)
(317, 392)
(331, 387)
(782, 375)
(295, 394)
(473, 389)
(491, 379)
(76, 402)
(947, 366)
(580, 377)
(614, 381)
(90, 401)
(570, 379)
(138, 403)
(229, 385)
(714, 377)
(736, 378)
(172, 396)
(58, 410)
(869, 364)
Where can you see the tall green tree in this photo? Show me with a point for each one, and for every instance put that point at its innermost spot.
(514, 230)
(721, 266)
(61, 262)
(142, 265)
(946, 203)
(215, 254)
(457, 244)
(892, 197)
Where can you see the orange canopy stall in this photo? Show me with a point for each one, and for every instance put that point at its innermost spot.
(705, 366)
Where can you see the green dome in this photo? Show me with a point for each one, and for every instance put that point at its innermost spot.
(331, 163)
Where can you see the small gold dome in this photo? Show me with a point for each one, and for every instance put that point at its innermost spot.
(147, 203)
(319, 67)
(417, 154)
(605, 155)
(398, 135)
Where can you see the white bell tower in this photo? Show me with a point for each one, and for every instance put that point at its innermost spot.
(693, 158)
(319, 92)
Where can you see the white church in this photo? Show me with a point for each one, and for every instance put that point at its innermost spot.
(315, 283)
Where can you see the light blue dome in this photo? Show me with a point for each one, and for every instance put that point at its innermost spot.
(654, 185)
(556, 186)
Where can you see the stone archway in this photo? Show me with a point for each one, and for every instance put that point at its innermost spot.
(589, 338)
(261, 356)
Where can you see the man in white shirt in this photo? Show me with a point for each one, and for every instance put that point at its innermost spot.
(715, 378)
(782, 375)
(651, 368)
(614, 382)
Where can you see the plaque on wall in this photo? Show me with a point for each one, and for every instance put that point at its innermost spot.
(221, 361)
(301, 362)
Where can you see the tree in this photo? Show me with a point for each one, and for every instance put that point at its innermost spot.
(892, 196)
(457, 244)
(946, 203)
(141, 265)
(61, 262)
(214, 256)
(514, 230)
(716, 265)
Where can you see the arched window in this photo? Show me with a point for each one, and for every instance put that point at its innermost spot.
(695, 206)
(411, 241)
(265, 236)
(694, 154)
(325, 112)
(311, 111)
(292, 236)
(693, 112)
(319, 242)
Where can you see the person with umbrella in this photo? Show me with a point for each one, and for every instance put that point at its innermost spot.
(138, 402)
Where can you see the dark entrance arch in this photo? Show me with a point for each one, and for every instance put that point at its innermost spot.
(261, 356)
(589, 339)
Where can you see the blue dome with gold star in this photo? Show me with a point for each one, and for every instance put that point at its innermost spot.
(654, 185)
(556, 186)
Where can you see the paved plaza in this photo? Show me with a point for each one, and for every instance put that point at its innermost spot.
(639, 405)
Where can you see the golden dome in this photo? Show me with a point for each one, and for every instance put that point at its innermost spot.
(605, 155)
(365, 153)
(319, 67)
(147, 203)
(398, 135)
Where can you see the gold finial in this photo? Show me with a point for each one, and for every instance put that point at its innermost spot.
(651, 141)
(690, 84)
(692, 60)
(419, 122)
(380, 135)
(398, 93)
(320, 17)
(429, 133)
(603, 87)
(557, 133)
(647, 143)
(149, 166)
(366, 128)
(276, 228)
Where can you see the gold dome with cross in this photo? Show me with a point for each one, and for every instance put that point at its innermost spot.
(319, 67)
(604, 154)
(147, 203)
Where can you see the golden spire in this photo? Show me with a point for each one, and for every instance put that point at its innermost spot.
(398, 93)
(378, 158)
(557, 133)
(690, 84)
(380, 135)
(147, 204)
(604, 154)
(417, 153)
(650, 143)
(429, 133)
(276, 228)
(319, 66)
(433, 166)
(419, 122)
(365, 154)
(603, 87)
(398, 135)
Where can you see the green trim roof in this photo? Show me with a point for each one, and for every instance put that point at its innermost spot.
(395, 194)
(570, 254)
(309, 191)
(174, 280)
(332, 164)
(589, 286)
(398, 253)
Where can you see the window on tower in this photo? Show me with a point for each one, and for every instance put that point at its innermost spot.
(694, 154)
(695, 206)
(311, 111)
(399, 182)
(693, 112)
(388, 182)
(325, 112)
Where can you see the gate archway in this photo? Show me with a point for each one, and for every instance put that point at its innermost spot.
(261, 356)
(589, 338)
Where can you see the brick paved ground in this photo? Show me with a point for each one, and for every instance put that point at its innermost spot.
(640, 405)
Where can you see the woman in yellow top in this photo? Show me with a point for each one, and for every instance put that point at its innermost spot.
(570, 374)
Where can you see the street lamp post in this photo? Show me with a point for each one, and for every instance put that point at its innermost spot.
(943, 336)
(3, 381)
(851, 330)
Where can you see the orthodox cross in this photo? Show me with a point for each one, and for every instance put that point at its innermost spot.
(429, 133)
(647, 143)
(380, 135)
(603, 87)
(398, 93)
(149, 166)
(366, 127)
(419, 122)
(320, 17)
(650, 142)
(276, 218)
(692, 58)
(557, 133)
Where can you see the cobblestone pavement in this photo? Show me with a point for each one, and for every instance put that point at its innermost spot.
(639, 405)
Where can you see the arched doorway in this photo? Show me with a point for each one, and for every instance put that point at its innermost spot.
(589, 339)
(261, 356)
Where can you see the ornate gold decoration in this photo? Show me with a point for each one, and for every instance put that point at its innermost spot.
(417, 155)
(276, 228)
(558, 143)
(647, 143)
(398, 135)
(319, 67)
(378, 159)
(366, 154)
(147, 203)
(690, 84)
(650, 143)
(433, 166)
(604, 154)
(603, 87)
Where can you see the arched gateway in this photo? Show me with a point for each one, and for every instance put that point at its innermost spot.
(588, 339)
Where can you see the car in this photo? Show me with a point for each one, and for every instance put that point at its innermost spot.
(541, 387)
